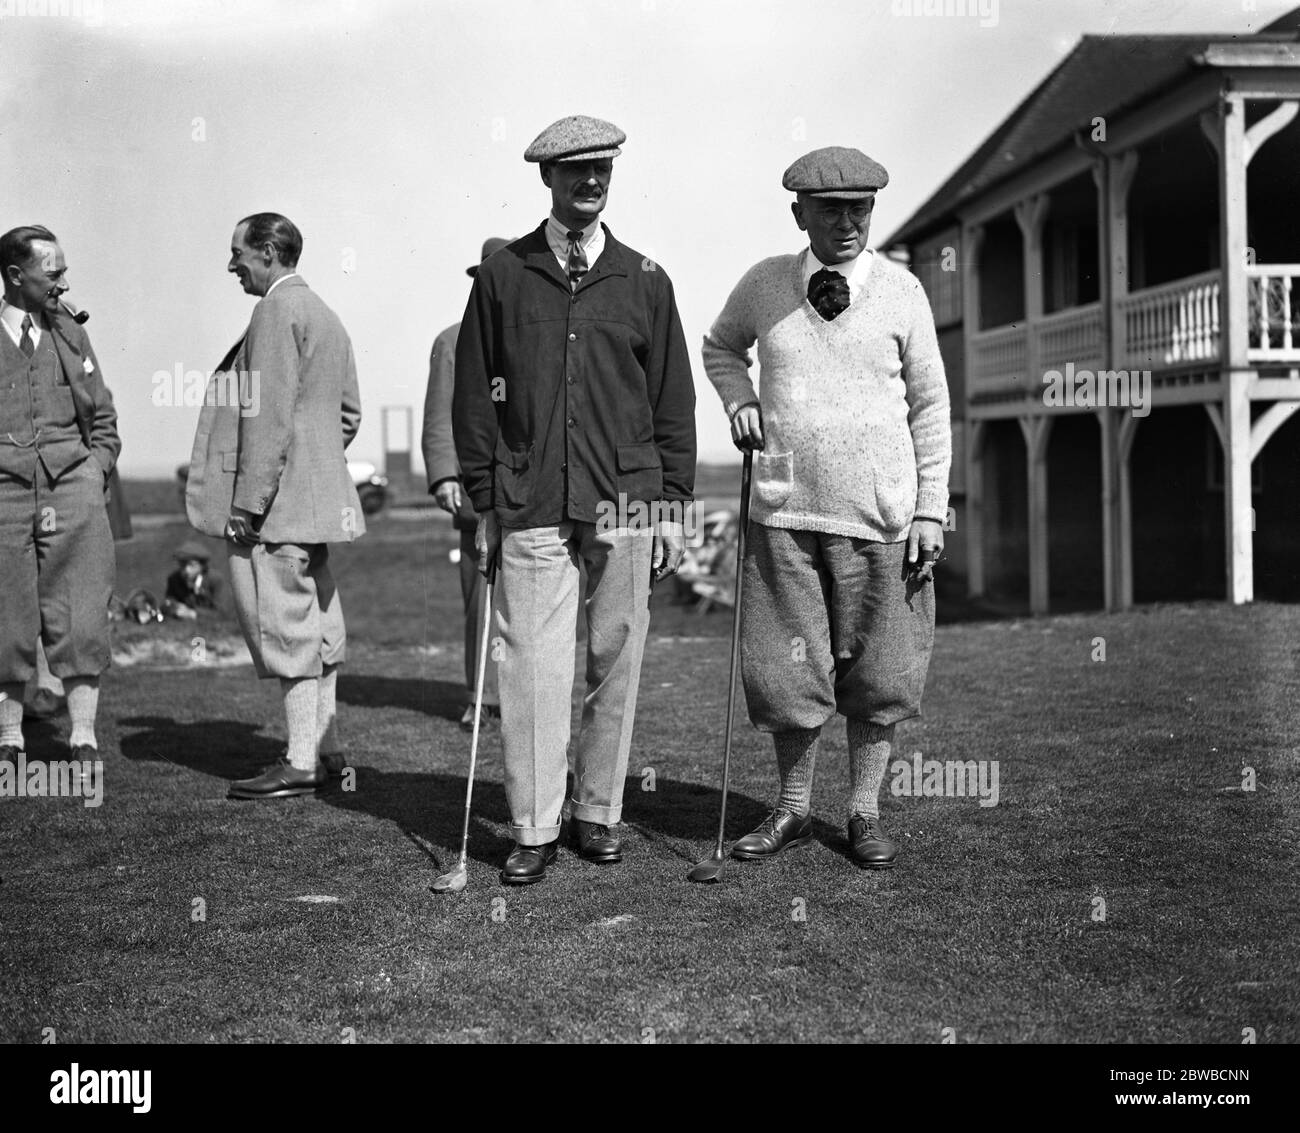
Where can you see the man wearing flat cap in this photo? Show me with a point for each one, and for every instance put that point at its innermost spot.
(850, 493)
(443, 472)
(574, 402)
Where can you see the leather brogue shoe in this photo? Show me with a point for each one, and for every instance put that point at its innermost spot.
(279, 781)
(595, 843)
(868, 845)
(527, 864)
(778, 831)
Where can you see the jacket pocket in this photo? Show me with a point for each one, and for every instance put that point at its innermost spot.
(640, 472)
(773, 478)
(512, 477)
(230, 462)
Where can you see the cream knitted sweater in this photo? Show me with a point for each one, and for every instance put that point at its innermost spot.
(857, 439)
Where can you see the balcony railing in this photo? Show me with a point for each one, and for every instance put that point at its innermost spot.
(1072, 335)
(1273, 293)
(1174, 324)
(999, 358)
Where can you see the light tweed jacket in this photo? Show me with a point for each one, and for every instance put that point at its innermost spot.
(279, 451)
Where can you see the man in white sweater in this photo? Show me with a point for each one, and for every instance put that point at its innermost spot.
(850, 494)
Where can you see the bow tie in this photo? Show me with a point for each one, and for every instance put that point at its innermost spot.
(828, 292)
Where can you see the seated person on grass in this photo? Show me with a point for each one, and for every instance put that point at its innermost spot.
(193, 586)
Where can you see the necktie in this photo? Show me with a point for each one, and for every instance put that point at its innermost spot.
(577, 258)
(828, 292)
(25, 344)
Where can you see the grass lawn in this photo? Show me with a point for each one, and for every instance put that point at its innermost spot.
(1120, 783)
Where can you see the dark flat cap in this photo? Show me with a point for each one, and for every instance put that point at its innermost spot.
(576, 138)
(490, 245)
(835, 172)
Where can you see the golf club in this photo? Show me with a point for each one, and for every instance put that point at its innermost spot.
(710, 868)
(454, 880)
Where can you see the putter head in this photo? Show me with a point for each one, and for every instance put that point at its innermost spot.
(452, 882)
(709, 870)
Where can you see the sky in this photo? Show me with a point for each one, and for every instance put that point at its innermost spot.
(392, 133)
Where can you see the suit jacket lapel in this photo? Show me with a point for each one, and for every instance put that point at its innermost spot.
(613, 261)
(540, 258)
(73, 363)
(207, 494)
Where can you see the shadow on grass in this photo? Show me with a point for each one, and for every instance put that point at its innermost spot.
(47, 738)
(445, 699)
(430, 808)
(225, 749)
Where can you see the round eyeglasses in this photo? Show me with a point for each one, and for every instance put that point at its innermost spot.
(858, 214)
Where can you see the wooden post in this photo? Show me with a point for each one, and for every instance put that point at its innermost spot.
(1238, 539)
(1238, 516)
(972, 238)
(1124, 434)
(1101, 177)
(1036, 430)
(971, 241)
(1122, 171)
(1109, 506)
(1031, 213)
(976, 432)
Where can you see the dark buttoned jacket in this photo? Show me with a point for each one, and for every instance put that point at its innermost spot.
(566, 399)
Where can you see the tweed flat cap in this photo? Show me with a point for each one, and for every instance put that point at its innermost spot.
(835, 172)
(576, 138)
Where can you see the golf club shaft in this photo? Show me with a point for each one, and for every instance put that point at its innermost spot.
(746, 476)
(478, 710)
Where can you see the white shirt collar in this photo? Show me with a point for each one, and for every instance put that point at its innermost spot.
(279, 281)
(12, 317)
(589, 233)
(593, 241)
(855, 270)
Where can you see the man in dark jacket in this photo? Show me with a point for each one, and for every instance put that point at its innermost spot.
(574, 419)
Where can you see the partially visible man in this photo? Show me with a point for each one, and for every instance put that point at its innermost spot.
(850, 494)
(574, 410)
(443, 471)
(58, 446)
(268, 474)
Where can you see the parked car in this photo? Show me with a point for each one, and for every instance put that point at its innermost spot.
(371, 485)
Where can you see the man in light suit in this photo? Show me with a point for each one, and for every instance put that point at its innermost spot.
(269, 474)
(443, 471)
